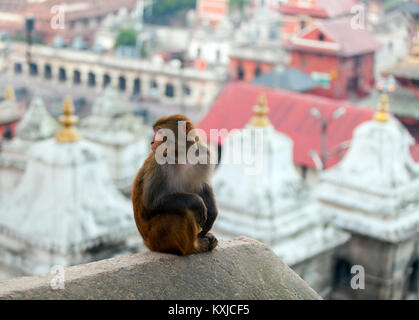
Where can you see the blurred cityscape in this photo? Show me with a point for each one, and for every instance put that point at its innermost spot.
(333, 85)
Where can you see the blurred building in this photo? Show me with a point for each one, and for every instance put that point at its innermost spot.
(68, 19)
(404, 99)
(125, 137)
(248, 61)
(338, 56)
(268, 200)
(66, 209)
(36, 125)
(373, 193)
(300, 15)
(143, 79)
(211, 11)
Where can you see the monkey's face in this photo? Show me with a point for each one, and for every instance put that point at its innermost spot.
(158, 138)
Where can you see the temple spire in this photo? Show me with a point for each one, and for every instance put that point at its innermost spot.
(260, 111)
(68, 131)
(9, 94)
(382, 114)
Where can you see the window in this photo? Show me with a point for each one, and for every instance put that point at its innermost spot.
(186, 90)
(62, 75)
(76, 77)
(240, 73)
(47, 72)
(91, 81)
(321, 37)
(170, 90)
(322, 78)
(106, 80)
(137, 87)
(122, 84)
(342, 273)
(18, 68)
(33, 69)
(258, 71)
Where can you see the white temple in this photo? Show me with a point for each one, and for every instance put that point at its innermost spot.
(374, 194)
(9, 109)
(272, 204)
(124, 136)
(65, 210)
(36, 125)
(378, 180)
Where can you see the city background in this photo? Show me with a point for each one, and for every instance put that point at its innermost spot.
(333, 84)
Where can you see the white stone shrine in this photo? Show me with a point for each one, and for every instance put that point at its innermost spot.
(271, 203)
(36, 125)
(65, 210)
(374, 194)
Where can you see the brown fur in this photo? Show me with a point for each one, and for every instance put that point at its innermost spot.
(173, 230)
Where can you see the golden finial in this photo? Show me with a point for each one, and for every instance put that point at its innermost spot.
(382, 114)
(9, 94)
(260, 111)
(415, 50)
(68, 131)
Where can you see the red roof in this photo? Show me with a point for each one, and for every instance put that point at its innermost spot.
(290, 114)
(320, 8)
(351, 41)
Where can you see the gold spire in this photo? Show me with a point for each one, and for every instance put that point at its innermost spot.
(9, 94)
(382, 114)
(260, 111)
(415, 50)
(68, 131)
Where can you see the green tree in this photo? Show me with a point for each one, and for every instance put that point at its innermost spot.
(238, 3)
(126, 37)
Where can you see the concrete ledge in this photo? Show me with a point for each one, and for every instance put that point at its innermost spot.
(238, 269)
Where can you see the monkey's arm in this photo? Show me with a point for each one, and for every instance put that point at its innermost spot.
(207, 194)
(178, 202)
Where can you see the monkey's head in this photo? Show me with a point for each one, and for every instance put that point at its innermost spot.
(179, 124)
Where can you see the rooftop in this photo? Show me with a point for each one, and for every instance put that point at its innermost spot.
(319, 8)
(286, 78)
(290, 114)
(339, 38)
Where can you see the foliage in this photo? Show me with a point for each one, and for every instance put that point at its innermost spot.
(126, 37)
(238, 3)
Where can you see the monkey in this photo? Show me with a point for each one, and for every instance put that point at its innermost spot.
(174, 203)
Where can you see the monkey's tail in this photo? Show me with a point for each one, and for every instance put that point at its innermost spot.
(173, 233)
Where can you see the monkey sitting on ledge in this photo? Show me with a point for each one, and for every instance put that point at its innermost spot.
(174, 204)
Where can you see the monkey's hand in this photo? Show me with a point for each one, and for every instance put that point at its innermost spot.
(201, 213)
(179, 202)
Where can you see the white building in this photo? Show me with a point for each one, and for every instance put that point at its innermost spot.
(270, 202)
(392, 32)
(65, 210)
(36, 125)
(125, 137)
(373, 193)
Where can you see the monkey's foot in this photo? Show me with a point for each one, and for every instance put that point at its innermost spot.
(212, 241)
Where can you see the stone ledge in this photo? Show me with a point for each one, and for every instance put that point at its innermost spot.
(238, 269)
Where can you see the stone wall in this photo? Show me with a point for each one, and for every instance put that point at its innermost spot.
(238, 269)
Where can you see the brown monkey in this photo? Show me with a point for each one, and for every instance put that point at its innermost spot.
(174, 204)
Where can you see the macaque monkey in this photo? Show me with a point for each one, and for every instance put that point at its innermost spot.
(174, 204)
